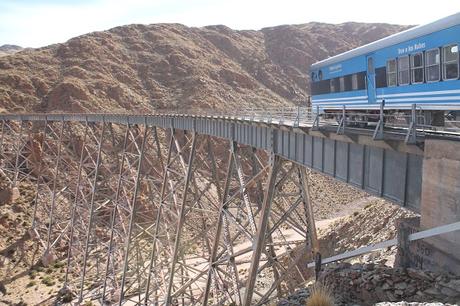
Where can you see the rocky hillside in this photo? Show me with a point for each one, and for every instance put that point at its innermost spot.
(146, 67)
(368, 284)
(9, 49)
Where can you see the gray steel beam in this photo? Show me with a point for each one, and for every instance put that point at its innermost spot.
(215, 245)
(74, 208)
(262, 228)
(373, 166)
(180, 224)
(157, 220)
(132, 216)
(91, 208)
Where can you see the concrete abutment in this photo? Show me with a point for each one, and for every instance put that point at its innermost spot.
(440, 205)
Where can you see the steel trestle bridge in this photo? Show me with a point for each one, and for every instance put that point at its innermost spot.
(185, 209)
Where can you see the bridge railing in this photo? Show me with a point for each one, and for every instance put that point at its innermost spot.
(432, 232)
(289, 115)
(409, 122)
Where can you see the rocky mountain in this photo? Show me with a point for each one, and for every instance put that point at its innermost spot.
(168, 66)
(9, 49)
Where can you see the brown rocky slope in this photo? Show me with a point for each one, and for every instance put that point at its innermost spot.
(9, 49)
(146, 67)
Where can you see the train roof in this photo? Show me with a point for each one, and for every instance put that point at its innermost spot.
(397, 38)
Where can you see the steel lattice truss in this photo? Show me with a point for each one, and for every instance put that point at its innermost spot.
(165, 217)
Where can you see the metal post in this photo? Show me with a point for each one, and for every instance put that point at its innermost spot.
(181, 219)
(215, 245)
(342, 124)
(90, 221)
(74, 209)
(133, 213)
(53, 197)
(317, 265)
(158, 217)
(243, 190)
(114, 213)
(37, 186)
(272, 261)
(312, 237)
(2, 138)
(262, 228)
(297, 120)
(315, 125)
(378, 132)
(411, 136)
(18, 153)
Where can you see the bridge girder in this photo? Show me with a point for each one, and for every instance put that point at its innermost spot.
(143, 215)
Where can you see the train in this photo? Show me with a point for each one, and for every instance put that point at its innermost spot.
(418, 66)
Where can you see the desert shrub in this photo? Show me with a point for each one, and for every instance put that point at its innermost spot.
(48, 281)
(33, 274)
(59, 264)
(321, 295)
(31, 283)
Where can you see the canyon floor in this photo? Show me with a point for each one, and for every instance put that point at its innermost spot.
(346, 219)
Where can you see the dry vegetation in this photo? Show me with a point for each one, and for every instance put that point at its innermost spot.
(22, 276)
(321, 295)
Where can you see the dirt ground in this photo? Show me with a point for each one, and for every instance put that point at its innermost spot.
(346, 218)
(23, 279)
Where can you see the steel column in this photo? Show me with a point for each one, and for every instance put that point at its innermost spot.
(262, 228)
(181, 219)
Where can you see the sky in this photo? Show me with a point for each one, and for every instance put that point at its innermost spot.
(35, 23)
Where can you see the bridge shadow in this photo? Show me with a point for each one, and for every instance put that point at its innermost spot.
(16, 254)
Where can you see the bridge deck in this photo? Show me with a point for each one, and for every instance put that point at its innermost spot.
(389, 169)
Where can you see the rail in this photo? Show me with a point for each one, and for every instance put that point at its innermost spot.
(435, 231)
(411, 124)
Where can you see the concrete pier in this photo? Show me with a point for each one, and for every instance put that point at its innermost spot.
(440, 204)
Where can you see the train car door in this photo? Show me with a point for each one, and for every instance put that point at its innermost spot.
(370, 78)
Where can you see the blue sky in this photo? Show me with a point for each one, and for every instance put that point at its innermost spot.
(34, 23)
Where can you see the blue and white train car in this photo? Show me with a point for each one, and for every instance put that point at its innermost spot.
(417, 66)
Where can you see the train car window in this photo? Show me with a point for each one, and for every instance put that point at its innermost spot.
(380, 77)
(354, 81)
(320, 87)
(392, 75)
(416, 67)
(348, 82)
(403, 70)
(335, 85)
(450, 62)
(432, 62)
(342, 83)
(361, 80)
(320, 75)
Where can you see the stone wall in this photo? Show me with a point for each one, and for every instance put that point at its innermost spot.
(367, 284)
